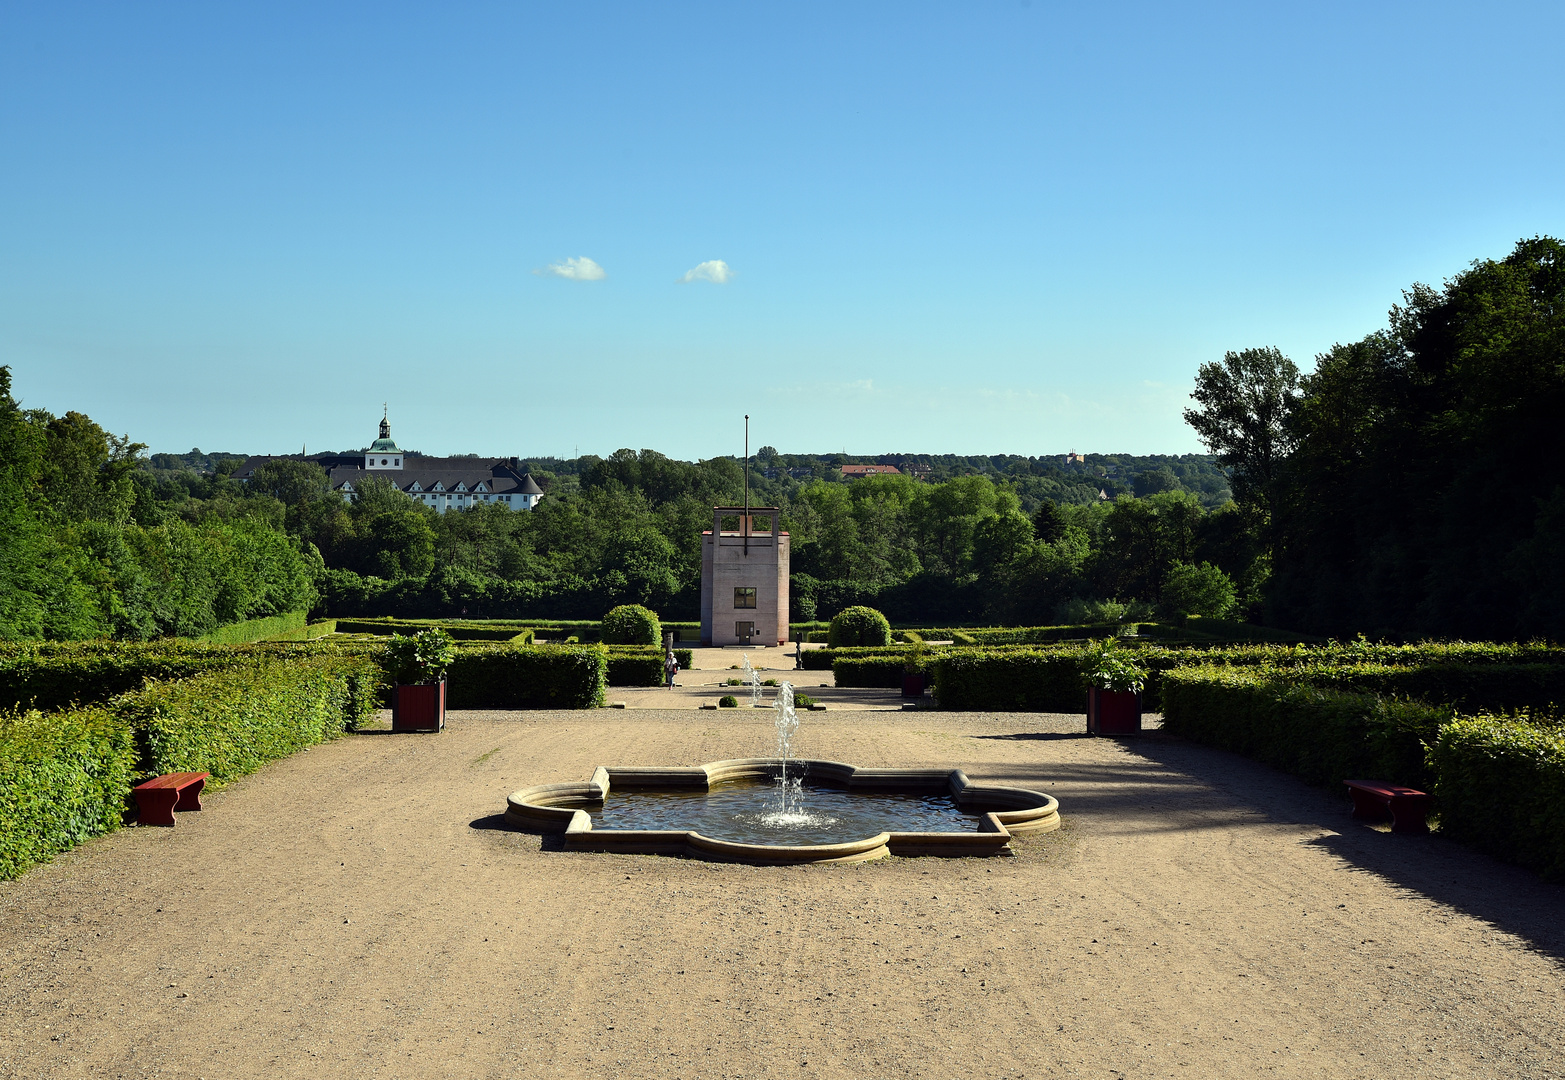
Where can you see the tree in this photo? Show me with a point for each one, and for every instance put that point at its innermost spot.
(1202, 590)
(1243, 417)
(291, 482)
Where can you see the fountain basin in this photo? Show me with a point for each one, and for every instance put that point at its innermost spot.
(1001, 812)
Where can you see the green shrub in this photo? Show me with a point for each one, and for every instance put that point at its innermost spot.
(803, 701)
(859, 626)
(324, 628)
(817, 659)
(631, 624)
(49, 676)
(423, 657)
(872, 671)
(727, 701)
(1203, 590)
(1018, 680)
(230, 723)
(1323, 736)
(636, 665)
(255, 629)
(1500, 688)
(1500, 785)
(1106, 666)
(507, 676)
(63, 779)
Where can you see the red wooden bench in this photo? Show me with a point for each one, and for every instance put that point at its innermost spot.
(1375, 801)
(158, 798)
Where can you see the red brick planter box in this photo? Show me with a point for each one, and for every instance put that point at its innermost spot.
(419, 706)
(1113, 712)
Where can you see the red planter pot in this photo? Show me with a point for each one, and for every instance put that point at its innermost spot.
(1113, 712)
(913, 684)
(419, 706)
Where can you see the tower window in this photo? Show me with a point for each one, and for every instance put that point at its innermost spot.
(744, 598)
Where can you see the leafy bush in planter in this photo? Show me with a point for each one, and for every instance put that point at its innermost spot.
(1108, 667)
(859, 626)
(423, 657)
(803, 701)
(728, 701)
(632, 624)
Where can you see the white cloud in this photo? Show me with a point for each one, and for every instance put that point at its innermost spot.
(582, 269)
(714, 270)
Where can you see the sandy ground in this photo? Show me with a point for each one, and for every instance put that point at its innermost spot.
(359, 910)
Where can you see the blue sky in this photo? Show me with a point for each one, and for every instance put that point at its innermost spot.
(967, 228)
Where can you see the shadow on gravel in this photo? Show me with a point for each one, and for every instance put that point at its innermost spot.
(1156, 773)
(1029, 736)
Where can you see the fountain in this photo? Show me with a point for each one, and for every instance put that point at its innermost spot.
(753, 677)
(759, 810)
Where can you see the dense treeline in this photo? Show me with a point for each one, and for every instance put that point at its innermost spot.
(1412, 483)
(87, 549)
(961, 550)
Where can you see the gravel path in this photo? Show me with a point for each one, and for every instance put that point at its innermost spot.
(359, 911)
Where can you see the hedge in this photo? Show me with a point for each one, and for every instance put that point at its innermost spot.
(230, 723)
(877, 671)
(255, 629)
(527, 677)
(49, 677)
(631, 665)
(1469, 687)
(1500, 786)
(1323, 736)
(63, 779)
(460, 631)
(992, 680)
(66, 776)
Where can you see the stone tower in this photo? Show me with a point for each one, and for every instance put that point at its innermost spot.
(744, 578)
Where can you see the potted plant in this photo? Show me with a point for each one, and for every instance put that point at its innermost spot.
(417, 665)
(1114, 683)
(914, 676)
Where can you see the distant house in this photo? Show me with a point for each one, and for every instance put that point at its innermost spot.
(439, 483)
(854, 472)
(1074, 458)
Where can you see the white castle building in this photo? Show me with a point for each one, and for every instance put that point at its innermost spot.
(439, 483)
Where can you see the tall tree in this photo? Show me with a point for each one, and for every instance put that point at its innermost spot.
(1243, 416)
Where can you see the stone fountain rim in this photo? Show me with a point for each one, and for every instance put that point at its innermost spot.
(552, 808)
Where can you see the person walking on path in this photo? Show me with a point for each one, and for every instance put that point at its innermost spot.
(670, 669)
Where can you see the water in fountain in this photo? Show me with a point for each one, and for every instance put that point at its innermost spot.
(786, 809)
(754, 678)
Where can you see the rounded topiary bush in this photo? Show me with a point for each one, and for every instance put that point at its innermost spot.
(728, 701)
(632, 624)
(859, 626)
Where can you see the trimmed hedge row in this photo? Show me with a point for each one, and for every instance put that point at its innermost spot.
(876, 671)
(528, 677)
(50, 677)
(66, 776)
(459, 631)
(1469, 687)
(230, 723)
(255, 629)
(1323, 736)
(1500, 785)
(993, 680)
(63, 779)
(631, 665)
